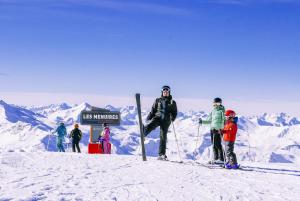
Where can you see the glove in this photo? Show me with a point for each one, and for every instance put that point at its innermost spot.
(200, 121)
(148, 118)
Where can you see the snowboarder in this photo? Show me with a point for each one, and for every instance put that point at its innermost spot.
(229, 136)
(216, 119)
(76, 135)
(164, 110)
(61, 133)
(104, 139)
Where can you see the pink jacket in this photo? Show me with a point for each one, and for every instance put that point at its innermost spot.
(105, 140)
(105, 135)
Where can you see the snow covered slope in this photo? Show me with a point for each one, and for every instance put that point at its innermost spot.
(68, 176)
(266, 138)
(21, 128)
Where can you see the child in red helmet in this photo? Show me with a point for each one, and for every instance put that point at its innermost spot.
(229, 136)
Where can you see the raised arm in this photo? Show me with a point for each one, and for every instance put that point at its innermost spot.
(208, 119)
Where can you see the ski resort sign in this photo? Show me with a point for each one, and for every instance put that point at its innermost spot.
(100, 117)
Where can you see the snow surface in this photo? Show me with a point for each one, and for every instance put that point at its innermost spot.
(68, 176)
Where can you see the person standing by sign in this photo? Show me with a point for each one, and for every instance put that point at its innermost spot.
(164, 110)
(76, 135)
(61, 133)
(104, 139)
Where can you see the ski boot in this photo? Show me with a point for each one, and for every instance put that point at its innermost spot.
(228, 166)
(162, 158)
(235, 166)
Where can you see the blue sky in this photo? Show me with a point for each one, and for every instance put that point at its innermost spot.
(241, 50)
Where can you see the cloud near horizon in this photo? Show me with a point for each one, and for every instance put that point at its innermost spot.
(254, 107)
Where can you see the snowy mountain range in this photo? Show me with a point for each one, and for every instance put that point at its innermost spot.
(265, 138)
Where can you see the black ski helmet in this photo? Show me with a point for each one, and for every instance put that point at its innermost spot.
(166, 88)
(217, 100)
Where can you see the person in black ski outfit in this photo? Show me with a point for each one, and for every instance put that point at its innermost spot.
(164, 110)
(76, 135)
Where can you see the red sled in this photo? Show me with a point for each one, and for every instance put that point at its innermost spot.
(96, 148)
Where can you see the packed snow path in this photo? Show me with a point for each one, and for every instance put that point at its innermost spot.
(68, 176)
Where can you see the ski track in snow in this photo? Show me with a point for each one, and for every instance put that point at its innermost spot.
(67, 176)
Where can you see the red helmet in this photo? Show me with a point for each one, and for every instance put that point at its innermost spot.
(230, 113)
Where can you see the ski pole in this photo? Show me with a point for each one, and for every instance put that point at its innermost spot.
(176, 140)
(198, 136)
(181, 144)
(49, 140)
(67, 146)
(249, 147)
(223, 149)
(212, 148)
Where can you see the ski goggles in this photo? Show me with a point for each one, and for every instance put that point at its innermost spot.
(217, 104)
(166, 89)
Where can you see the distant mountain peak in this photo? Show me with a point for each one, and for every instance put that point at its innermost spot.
(112, 108)
(2, 102)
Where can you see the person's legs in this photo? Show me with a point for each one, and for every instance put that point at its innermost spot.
(154, 123)
(214, 139)
(73, 146)
(230, 153)
(60, 144)
(227, 152)
(164, 127)
(106, 148)
(219, 147)
(78, 148)
(218, 150)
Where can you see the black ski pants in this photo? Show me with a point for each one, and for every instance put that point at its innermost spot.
(216, 139)
(164, 127)
(231, 157)
(75, 144)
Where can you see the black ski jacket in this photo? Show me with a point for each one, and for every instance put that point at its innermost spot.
(76, 134)
(163, 108)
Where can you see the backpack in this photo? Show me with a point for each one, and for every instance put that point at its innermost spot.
(235, 120)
